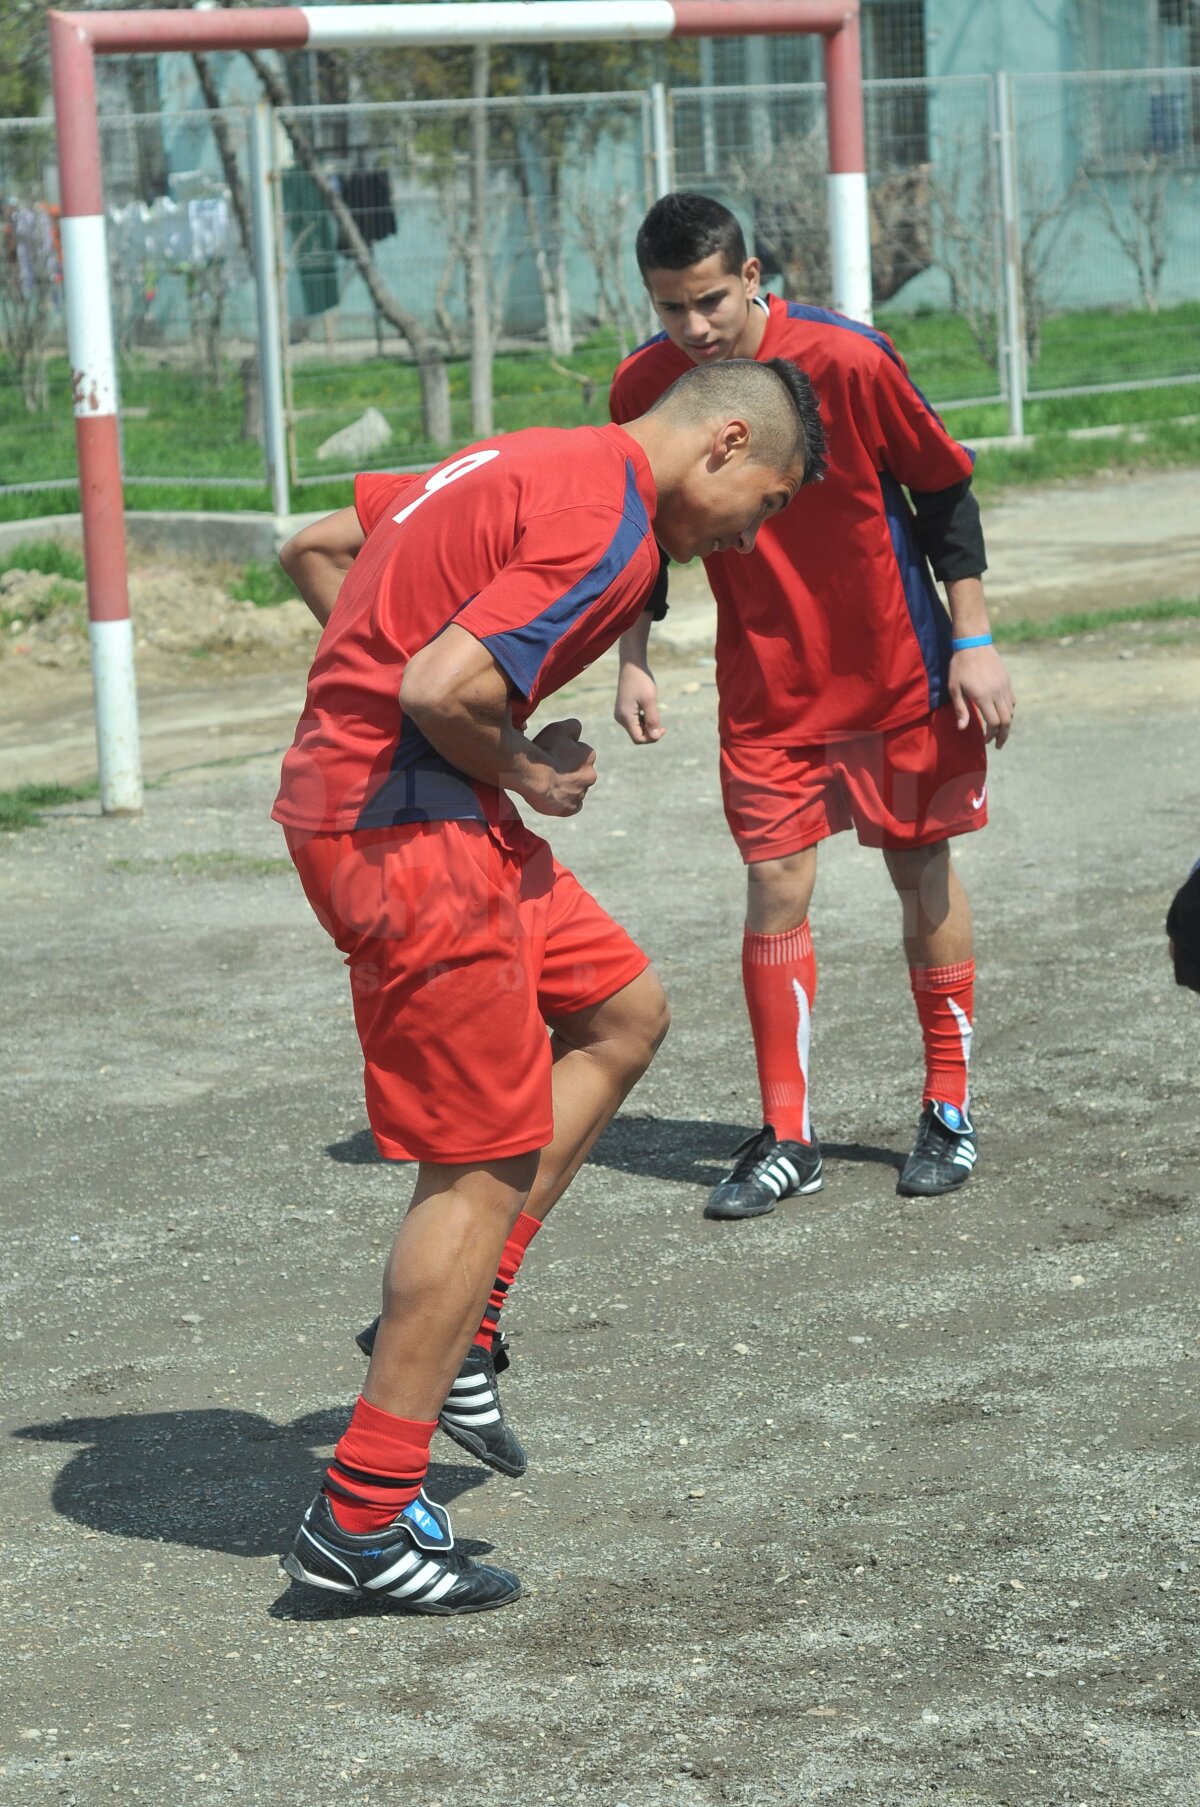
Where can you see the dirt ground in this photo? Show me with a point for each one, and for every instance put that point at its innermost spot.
(870, 1501)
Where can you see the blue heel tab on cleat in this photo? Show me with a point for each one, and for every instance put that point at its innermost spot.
(952, 1118)
(427, 1523)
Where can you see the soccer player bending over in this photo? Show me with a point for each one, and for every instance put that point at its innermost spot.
(463, 599)
(848, 696)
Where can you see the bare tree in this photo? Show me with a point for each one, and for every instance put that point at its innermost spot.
(547, 239)
(965, 209)
(1047, 241)
(478, 261)
(605, 221)
(786, 191)
(1140, 228)
(431, 366)
(30, 277)
(967, 235)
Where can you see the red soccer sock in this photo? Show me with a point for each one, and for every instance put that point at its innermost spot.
(945, 1000)
(519, 1239)
(377, 1468)
(779, 973)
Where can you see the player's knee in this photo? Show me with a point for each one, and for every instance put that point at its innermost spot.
(647, 1019)
(651, 1022)
(911, 868)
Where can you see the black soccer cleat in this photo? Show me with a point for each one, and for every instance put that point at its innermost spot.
(943, 1154)
(473, 1415)
(412, 1562)
(766, 1171)
(501, 1360)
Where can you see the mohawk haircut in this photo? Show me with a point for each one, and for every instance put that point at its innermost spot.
(775, 398)
(683, 229)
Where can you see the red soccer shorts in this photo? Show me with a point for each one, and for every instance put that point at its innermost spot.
(906, 787)
(461, 942)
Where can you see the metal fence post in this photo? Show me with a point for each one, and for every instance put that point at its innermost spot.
(661, 140)
(266, 283)
(1014, 312)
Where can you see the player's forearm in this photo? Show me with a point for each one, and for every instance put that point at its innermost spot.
(456, 694)
(635, 642)
(968, 610)
(484, 746)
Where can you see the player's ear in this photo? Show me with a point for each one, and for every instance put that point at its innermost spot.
(751, 276)
(731, 441)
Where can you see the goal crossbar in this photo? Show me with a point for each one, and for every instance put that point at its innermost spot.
(76, 39)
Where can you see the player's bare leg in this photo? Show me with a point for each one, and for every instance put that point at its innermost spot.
(438, 1277)
(372, 1530)
(935, 908)
(779, 975)
(779, 892)
(599, 1054)
(939, 948)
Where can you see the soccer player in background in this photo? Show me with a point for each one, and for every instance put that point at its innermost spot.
(454, 604)
(848, 696)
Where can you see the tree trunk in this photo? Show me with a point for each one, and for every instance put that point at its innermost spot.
(252, 409)
(477, 256)
(226, 152)
(435, 385)
(557, 330)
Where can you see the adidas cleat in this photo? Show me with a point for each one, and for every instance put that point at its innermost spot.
(943, 1154)
(473, 1415)
(413, 1562)
(766, 1171)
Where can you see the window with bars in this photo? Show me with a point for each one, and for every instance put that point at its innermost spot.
(894, 51)
(893, 39)
(1159, 117)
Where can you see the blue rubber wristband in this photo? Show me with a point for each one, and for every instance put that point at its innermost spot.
(961, 646)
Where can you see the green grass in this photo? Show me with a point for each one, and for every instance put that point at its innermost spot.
(1055, 458)
(1096, 346)
(265, 585)
(22, 807)
(1090, 621)
(46, 556)
(221, 864)
(21, 614)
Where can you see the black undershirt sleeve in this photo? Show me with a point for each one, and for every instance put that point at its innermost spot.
(950, 531)
(656, 604)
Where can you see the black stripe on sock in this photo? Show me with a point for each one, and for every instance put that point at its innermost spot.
(366, 1479)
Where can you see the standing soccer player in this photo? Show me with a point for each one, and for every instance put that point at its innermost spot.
(454, 604)
(848, 696)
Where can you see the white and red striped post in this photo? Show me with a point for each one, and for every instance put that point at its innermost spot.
(77, 38)
(94, 394)
(849, 214)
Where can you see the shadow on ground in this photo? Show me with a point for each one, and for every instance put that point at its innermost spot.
(687, 1149)
(214, 1479)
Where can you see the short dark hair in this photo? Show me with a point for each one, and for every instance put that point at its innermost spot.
(777, 399)
(807, 404)
(683, 229)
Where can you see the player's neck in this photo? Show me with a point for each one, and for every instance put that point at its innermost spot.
(751, 335)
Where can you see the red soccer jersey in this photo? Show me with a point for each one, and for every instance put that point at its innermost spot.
(539, 543)
(832, 626)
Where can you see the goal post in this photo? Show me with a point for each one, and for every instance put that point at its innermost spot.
(77, 38)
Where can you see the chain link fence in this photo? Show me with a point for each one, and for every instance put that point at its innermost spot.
(182, 296)
(447, 267)
(1109, 225)
(933, 190)
(447, 228)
